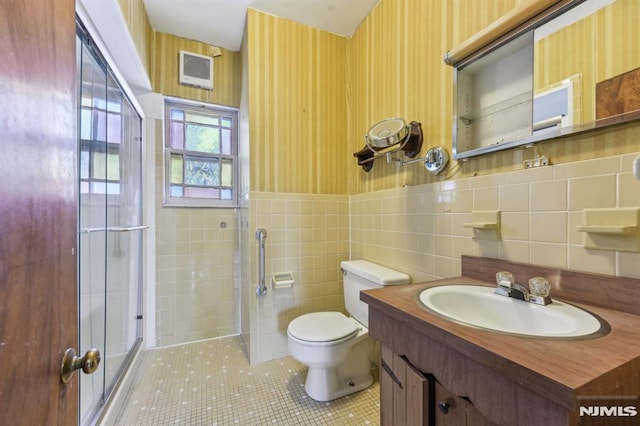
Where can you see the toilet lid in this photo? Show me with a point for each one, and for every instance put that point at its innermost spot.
(322, 327)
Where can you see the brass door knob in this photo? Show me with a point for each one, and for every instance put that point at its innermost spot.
(70, 363)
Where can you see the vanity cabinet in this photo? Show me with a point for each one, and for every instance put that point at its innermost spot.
(475, 394)
(438, 372)
(404, 392)
(410, 397)
(453, 410)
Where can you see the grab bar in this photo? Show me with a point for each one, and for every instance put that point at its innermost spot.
(261, 235)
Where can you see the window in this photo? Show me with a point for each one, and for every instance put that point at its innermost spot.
(200, 155)
(101, 127)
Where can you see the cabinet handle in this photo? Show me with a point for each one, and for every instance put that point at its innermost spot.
(443, 406)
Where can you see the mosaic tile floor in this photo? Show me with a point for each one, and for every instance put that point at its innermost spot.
(212, 383)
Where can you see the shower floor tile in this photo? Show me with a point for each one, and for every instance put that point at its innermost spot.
(212, 383)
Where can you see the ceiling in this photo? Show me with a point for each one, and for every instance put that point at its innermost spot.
(221, 22)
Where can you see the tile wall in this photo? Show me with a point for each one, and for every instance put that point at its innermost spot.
(308, 235)
(419, 229)
(197, 290)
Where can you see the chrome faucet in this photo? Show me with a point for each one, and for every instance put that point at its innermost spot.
(538, 292)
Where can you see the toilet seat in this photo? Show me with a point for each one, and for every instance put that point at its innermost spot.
(323, 327)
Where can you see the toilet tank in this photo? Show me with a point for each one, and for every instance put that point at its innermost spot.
(364, 275)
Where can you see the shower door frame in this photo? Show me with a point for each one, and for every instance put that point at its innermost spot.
(96, 409)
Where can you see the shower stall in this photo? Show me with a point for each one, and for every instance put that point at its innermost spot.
(110, 224)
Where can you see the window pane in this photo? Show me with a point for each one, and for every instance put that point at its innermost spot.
(226, 141)
(85, 124)
(176, 168)
(106, 166)
(177, 114)
(98, 188)
(202, 172)
(203, 119)
(99, 168)
(113, 188)
(227, 173)
(86, 100)
(99, 125)
(114, 105)
(226, 121)
(84, 165)
(226, 194)
(114, 128)
(113, 167)
(176, 191)
(202, 193)
(203, 139)
(100, 103)
(177, 135)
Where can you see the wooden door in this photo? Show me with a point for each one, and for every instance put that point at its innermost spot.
(38, 208)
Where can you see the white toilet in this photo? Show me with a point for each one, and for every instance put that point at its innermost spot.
(336, 347)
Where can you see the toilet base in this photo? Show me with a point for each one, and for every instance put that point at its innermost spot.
(351, 375)
(325, 385)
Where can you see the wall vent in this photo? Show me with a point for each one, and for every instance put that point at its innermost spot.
(196, 70)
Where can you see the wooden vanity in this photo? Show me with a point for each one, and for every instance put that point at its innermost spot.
(436, 371)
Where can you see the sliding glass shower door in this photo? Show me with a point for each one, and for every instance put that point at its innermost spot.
(110, 227)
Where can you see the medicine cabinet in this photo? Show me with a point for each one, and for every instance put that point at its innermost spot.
(547, 69)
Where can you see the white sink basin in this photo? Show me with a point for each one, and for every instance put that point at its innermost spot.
(477, 306)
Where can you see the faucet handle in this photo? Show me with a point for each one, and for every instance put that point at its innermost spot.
(505, 279)
(539, 286)
(539, 291)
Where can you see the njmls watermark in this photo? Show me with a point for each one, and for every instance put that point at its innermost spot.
(608, 411)
(621, 406)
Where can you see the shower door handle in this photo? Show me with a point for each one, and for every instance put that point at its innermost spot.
(70, 363)
(127, 228)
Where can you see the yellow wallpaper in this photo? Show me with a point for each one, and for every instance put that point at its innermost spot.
(227, 71)
(297, 107)
(618, 40)
(135, 15)
(396, 69)
(314, 95)
(159, 53)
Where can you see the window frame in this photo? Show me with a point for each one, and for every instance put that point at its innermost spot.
(168, 151)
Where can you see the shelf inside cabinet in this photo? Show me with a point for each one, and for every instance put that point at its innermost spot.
(520, 99)
(493, 101)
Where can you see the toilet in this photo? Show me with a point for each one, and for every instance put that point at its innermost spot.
(337, 348)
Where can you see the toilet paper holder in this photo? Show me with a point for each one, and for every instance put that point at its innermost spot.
(282, 280)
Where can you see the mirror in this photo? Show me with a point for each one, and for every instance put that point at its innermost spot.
(577, 72)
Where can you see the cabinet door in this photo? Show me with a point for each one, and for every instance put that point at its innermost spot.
(449, 408)
(404, 392)
(454, 410)
(475, 418)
